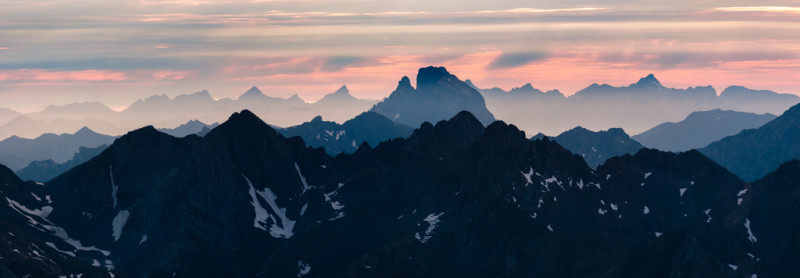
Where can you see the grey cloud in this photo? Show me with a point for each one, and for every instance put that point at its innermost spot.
(513, 60)
(338, 62)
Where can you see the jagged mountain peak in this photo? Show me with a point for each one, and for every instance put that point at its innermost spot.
(431, 75)
(342, 91)
(244, 122)
(253, 93)
(404, 84)
(648, 81)
(85, 131)
(317, 119)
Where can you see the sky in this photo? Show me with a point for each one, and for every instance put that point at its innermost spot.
(58, 52)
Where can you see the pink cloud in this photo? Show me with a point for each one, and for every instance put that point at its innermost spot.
(40, 75)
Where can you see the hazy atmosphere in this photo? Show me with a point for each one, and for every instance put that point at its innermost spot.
(58, 52)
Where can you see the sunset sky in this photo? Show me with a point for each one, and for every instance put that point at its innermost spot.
(57, 52)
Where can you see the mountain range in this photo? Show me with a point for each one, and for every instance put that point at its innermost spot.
(635, 108)
(16, 152)
(700, 129)
(369, 127)
(45, 170)
(163, 111)
(753, 153)
(438, 95)
(453, 199)
(596, 146)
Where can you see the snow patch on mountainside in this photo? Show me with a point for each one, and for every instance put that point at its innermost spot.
(50, 227)
(750, 235)
(119, 223)
(302, 178)
(114, 187)
(260, 221)
(433, 221)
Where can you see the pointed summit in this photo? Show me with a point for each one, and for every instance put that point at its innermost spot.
(85, 131)
(253, 93)
(342, 91)
(648, 81)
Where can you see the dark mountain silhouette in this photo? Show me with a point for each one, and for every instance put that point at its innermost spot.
(636, 107)
(44, 170)
(774, 201)
(16, 152)
(26, 251)
(596, 146)
(753, 153)
(190, 127)
(700, 129)
(369, 127)
(439, 95)
(454, 199)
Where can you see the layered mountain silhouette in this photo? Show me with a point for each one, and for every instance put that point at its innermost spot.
(190, 127)
(454, 199)
(44, 170)
(7, 115)
(166, 112)
(700, 129)
(635, 108)
(16, 152)
(27, 127)
(753, 153)
(596, 146)
(369, 127)
(439, 95)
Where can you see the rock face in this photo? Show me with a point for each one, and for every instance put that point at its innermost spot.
(439, 95)
(453, 199)
(753, 153)
(700, 129)
(597, 146)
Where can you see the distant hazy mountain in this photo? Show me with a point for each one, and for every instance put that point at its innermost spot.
(16, 152)
(8, 114)
(44, 170)
(753, 153)
(739, 98)
(439, 95)
(26, 127)
(162, 111)
(190, 127)
(596, 146)
(700, 129)
(635, 108)
(454, 199)
(369, 127)
(74, 111)
(340, 105)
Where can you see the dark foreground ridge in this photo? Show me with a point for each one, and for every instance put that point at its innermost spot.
(453, 199)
